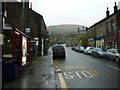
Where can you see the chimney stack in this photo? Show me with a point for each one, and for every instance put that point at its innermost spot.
(30, 5)
(115, 8)
(25, 3)
(107, 12)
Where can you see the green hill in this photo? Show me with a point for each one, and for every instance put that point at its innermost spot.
(65, 28)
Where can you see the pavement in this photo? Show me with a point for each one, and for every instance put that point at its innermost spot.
(40, 74)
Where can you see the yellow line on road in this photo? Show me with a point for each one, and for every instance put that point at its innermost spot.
(62, 82)
(57, 65)
(107, 74)
(61, 79)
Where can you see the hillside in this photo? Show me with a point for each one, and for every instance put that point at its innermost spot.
(66, 28)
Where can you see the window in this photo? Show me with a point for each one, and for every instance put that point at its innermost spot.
(118, 51)
(108, 28)
(101, 30)
(97, 32)
(112, 27)
(58, 48)
(113, 51)
(110, 51)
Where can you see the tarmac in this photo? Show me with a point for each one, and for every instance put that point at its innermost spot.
(40, 74)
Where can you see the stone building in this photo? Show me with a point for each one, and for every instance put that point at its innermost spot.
(91, 36)
(104, 33)
(21, 16)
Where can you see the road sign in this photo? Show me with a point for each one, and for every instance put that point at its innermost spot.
(27, 30)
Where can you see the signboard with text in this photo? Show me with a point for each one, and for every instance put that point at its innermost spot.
(27, 30)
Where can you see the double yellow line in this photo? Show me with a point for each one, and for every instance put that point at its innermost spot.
(61, 79)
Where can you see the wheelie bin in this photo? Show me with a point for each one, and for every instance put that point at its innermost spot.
(9, 70)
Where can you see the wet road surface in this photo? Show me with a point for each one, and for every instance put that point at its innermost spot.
(83, 71)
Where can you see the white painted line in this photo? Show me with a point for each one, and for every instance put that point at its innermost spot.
(113, 67)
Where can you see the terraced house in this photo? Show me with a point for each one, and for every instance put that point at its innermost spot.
(105, 33)
(25, 33)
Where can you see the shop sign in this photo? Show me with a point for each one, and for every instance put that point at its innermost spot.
(91, 39)
(110, 39)
(99, 38)
(91, 42)
(118, 35)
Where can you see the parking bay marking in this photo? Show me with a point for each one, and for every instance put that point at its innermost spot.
(113, 67)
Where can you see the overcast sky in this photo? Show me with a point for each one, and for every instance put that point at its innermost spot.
(82, 12)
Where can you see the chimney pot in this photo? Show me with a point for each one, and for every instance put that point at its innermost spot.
(115, 8)
(107, 12)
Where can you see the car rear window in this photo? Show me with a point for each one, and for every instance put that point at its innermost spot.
(58, 48)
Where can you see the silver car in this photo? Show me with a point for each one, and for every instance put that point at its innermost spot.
(113, 54)
(88, 50)
(81, 49)
(98, 52)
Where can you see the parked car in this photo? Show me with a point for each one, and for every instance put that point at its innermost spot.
(73, 47)
(88, 50)
(98, 52)
(113, 54)
(58, 52)
(76, 48)
(81, 49)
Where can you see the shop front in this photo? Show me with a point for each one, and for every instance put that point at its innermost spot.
(100, 42)
(91, 42)
(118, 41)
(110, 42)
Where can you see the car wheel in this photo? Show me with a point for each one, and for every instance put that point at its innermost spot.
(98, 55)
(92, 55)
